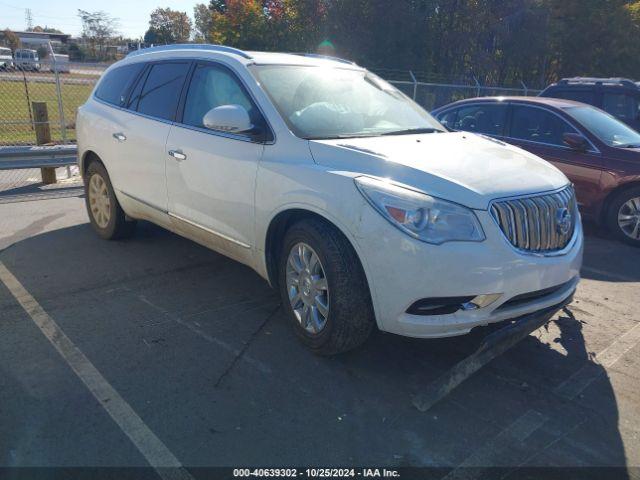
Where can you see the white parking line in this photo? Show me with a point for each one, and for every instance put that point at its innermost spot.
(531, 420)
(606, 358)
(149, 445)
(490, 452)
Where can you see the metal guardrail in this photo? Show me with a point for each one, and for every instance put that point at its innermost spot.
(21, 157)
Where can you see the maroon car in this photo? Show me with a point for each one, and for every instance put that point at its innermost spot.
(599, 154)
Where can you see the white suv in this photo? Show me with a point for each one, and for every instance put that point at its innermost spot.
(352, 201)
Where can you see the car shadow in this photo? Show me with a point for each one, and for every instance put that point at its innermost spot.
(608, 259)
(374, 383)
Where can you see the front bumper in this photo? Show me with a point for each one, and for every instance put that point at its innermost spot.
(402, 270)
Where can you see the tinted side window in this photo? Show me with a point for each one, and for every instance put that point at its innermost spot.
(212, 87)
(134, 96)
(620, 105)
(485, 119)
(584, 96)
(114, 86)
(538, 125)
(448, 119)
(161, 91)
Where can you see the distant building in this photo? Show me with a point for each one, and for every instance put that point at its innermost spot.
(36, 39)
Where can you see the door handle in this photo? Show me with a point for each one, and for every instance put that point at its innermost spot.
(177, 155)
(119, 136)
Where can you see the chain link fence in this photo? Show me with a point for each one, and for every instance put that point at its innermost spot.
(432, 91)
(61, 87)
(38, 104)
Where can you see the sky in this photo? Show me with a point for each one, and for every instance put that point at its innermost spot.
(132, 15)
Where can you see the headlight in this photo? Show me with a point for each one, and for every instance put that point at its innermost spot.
(426, 218)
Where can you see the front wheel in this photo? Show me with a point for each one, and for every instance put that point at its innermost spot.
(623, 216)
(323, 288)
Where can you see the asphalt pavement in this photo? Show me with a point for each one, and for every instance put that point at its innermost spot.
(156, 351)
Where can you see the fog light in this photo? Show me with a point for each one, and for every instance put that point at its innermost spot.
(438, 306)
(448, 305)
(482, 301)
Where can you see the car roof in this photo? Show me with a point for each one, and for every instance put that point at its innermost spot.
(245, 57)
(546, 101)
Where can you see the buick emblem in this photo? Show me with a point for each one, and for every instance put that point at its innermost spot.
(563, 220)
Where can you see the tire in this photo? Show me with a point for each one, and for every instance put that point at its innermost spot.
(105, 214)
(346, 301)
(627, 204)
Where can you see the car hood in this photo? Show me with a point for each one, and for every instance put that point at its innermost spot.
(465, 168)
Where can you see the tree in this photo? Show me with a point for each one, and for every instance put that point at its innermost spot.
(203, 22)
(43, 52)
(593, 37)
(218, 6)
(45, 29)
(168, 26)
(295, 25)
(12, 40)
(238, 23)
(97, 29)
(496, 42)
(76, 53)
(289, 25)
(634, 11)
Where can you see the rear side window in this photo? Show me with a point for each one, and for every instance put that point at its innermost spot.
(538, 125)
(114, 86)
(620, 105)
(485, 119)
(161, 92)
(584, 96)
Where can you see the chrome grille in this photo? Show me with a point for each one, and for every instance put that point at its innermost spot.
(538, 223)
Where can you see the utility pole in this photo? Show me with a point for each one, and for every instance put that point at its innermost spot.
(28, 18)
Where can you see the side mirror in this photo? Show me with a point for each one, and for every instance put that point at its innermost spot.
(228, 118)
(575, 141)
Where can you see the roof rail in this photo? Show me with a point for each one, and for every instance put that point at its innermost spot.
(190, 46)
(326, 57)
(600, 81)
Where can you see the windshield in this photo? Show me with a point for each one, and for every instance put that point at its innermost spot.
(318, 102)
(606, 127)
(5, 51)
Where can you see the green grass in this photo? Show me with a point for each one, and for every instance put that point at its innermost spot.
(15, 121)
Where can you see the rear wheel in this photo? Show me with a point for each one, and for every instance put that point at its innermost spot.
(323, 288)
(623, 216)
(106, 216)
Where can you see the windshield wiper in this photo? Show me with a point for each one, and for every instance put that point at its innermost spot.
(339, 137)
(408, 131)
(411, 131)
(629, 145)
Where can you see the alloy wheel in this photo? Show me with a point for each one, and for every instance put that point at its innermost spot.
(307, 288)
(629, 218)
(99, 200)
